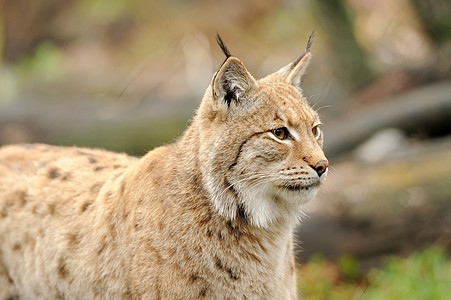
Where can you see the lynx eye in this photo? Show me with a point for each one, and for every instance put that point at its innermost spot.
(281, 133)
(316, 131)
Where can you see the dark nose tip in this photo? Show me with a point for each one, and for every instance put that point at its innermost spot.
(321, 167)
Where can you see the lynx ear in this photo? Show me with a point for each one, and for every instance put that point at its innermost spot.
(232, 81)
(293, 72)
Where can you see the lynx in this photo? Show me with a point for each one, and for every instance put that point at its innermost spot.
(210, 216)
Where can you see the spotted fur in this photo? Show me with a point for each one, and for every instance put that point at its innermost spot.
(210, 216)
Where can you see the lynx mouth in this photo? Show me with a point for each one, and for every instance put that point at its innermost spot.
(299, 187)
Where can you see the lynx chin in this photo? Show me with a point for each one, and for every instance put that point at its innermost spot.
(210, 216)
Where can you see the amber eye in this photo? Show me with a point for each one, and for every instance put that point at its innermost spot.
(281, 133)
(316, 131)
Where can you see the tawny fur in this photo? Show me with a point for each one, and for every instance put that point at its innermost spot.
(209, 216)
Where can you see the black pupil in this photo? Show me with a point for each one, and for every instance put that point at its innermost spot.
(280, 133)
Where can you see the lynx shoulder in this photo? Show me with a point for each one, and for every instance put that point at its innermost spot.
(209, 216)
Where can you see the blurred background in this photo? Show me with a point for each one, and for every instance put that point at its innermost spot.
(127, 75)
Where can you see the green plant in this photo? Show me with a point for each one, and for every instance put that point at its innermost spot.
(424, 275)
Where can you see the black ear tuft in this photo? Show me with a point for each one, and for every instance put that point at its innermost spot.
(223, 46)
(310, 41)
(307, 50)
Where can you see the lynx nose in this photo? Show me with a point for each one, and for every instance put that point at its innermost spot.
(321, 167)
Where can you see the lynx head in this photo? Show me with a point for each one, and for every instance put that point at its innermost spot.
(260, 143)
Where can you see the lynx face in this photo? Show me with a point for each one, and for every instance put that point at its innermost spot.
(263, 156)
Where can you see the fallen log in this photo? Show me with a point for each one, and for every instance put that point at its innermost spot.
(424, 110)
